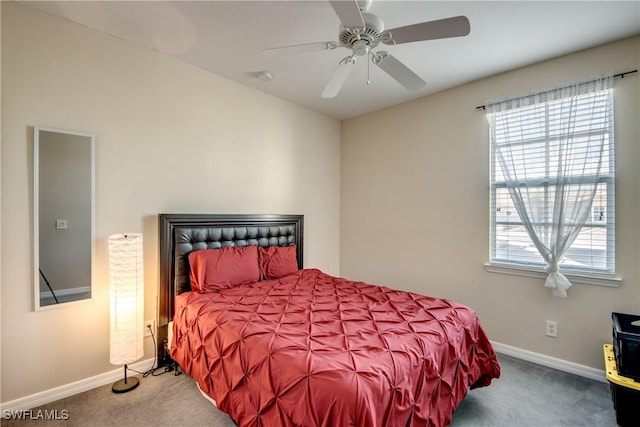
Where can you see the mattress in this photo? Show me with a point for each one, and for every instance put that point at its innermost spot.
(311, 349)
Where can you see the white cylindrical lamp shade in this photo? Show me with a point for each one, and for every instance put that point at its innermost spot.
(126, 295)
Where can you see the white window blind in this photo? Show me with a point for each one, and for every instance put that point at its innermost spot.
(552, 180)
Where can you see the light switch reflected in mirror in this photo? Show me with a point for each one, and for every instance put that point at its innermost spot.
(63, 216)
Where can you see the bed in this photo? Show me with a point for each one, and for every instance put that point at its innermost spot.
(304, 348)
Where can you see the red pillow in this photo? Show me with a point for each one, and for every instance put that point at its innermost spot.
(215, 269)
(277, 261)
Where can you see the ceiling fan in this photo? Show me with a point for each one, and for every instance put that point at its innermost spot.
(362, 31)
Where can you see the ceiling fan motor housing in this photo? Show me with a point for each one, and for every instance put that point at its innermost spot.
(358, 39)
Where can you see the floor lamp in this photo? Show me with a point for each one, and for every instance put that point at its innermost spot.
(126, 297)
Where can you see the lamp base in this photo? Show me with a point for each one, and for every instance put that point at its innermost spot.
(124, 385)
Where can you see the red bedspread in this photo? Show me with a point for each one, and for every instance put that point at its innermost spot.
(311, 349)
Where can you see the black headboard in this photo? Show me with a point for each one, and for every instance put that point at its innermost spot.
(181, 234)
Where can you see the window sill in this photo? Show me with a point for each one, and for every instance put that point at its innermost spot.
(586, 279)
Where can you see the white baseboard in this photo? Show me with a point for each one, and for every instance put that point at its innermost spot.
(57, 393)
(551, 362)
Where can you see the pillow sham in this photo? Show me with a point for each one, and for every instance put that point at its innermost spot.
(216, 269)
(277, 261)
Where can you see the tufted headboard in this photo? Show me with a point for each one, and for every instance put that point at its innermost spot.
(181, 234)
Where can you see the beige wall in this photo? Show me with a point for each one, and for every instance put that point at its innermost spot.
(415, 213)
(170, 138)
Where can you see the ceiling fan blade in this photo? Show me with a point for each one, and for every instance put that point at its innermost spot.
(400, 72)
(441, 29)
(339, 77)
(349, 13)
(301, 48)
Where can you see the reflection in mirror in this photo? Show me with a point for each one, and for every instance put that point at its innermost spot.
(63, 215)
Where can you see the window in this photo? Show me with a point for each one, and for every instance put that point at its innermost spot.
(552, 180)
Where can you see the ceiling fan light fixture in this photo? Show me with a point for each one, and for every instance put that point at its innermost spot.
(360, 48)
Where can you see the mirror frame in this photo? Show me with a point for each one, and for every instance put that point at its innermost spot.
(36, 214)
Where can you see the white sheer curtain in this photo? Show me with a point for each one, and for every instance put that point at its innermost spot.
(550, 150)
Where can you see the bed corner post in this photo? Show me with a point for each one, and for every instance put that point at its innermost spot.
(164, 297)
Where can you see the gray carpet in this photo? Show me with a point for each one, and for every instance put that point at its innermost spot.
(525, 395)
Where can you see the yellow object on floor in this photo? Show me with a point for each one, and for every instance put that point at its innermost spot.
(612, 370)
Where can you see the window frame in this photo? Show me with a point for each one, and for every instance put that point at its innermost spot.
(587, 275)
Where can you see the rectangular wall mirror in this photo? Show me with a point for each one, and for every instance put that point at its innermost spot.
(63, 216)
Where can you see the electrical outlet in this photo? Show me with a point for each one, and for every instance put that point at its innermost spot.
(149, 324)
(552, 328)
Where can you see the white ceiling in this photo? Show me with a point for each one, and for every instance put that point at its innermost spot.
(227, 38)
